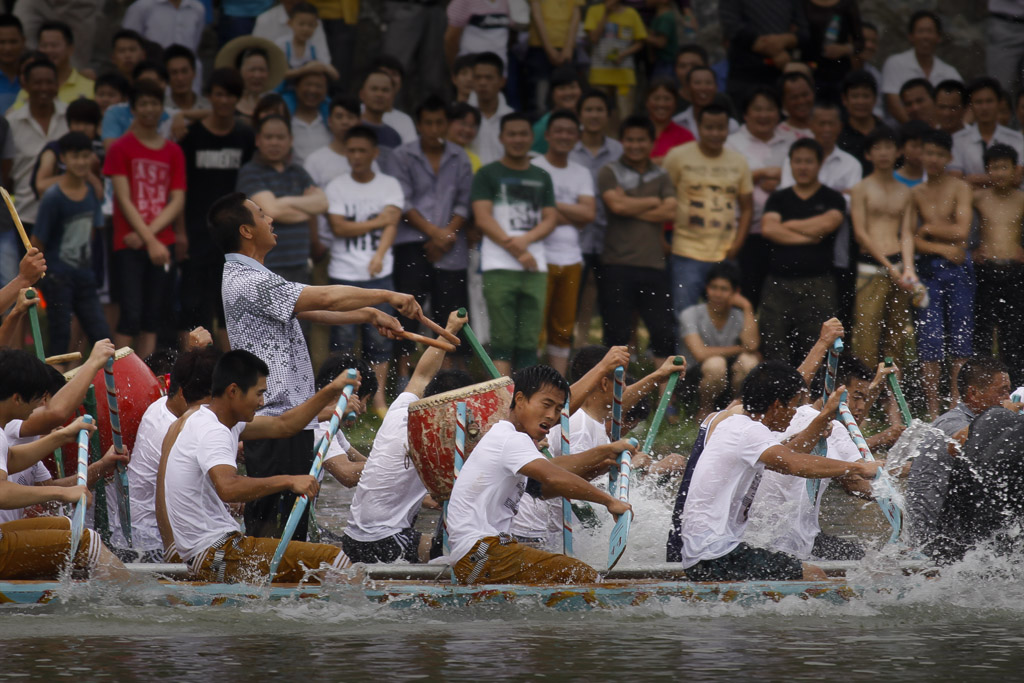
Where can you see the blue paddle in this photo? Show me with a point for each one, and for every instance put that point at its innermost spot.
(78, 520)
(124, 511)
(318, 465)
(620, 385)
(821, 448)
(620, 533)
(566, 503)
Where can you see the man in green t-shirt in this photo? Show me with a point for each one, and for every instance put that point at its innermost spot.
(514, 207)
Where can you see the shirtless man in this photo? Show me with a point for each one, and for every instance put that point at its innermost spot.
(999, 261)
(882, 216)
(943, 203)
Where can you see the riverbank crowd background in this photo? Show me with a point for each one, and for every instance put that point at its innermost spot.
(572, 172)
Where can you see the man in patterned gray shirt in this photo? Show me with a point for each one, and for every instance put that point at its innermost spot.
(263, 311)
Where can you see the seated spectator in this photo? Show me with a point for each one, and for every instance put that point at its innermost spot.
(660, 104)
(859, 95)
(475, 27)
(364, 209)
(463, 126)
(12, 46)
(284, 191)
(111, 88)
(924, 30)
(40, 121)
(689, 56)
(970, 144)
(639, 197)
(261, 64)
(797, 102)
(430, 247)
(180, 63)
(574, 202)
(703, 90)
(298, 46)
(918, 99)
(720, 339)
(377, 95)
(951, 105)
(616, 33)
(565, 94)
(550, 47)
(274, 24)
(487, 84)
(68, 213)
(394, 117)
(127, 50)
(148, 175)
(799, 292)
(57, 42)
(462, 77)
(83, 116)
(309, 114)
(765, 147)
(911, 141)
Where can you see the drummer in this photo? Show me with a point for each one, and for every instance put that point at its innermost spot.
(263, 311)
(390, 493)
(37, 548)
(539, 522)
(505, 464)
(201, 477)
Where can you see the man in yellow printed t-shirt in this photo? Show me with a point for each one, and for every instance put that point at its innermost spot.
(711, 183)
(616, 33)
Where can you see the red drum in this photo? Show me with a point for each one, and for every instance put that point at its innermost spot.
(137, 387)
(432, 429)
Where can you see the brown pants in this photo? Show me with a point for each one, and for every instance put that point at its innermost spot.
(37, 548)
(880, 318)
(560, 311)
(495, 559)
(237, 558)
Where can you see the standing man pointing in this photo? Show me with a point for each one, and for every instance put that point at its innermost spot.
(263, 312)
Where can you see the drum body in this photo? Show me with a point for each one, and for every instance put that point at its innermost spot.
(137, 387)
(432, 429)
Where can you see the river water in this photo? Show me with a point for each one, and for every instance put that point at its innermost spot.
(967, 624)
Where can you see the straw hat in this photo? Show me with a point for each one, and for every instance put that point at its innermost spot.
(277, 62)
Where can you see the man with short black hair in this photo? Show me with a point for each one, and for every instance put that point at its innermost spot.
(951, 105)
(917, 100)
(377, 96)
(309, 130)
(180, 63)
(126, 51)
(263, 312)
(859, 95)
(488, 81)
(924, 30)
(57, 42)
(12, 47)
(514, 207)
(971, 143)
(800, 222)
(431, 254)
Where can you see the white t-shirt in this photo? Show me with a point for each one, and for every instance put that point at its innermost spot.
(782, 502)
(389, 492)
(337, 448)
(142, 471)
(723, 487)
(351, 256)
(539, 518)
(323, 166)
(36, 474)
(901, 67)
(197, 514)
(562, 246)
(403, 125)
(486, 495)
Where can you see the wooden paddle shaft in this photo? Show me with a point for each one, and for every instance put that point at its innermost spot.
(64, 358)
(436, 343)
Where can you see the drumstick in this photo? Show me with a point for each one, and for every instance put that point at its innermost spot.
(437, 329)
(17, 222)
(64, 358)
(436, 343)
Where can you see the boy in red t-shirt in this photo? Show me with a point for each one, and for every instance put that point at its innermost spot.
(148, 174)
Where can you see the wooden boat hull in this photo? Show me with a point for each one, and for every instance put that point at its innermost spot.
(416, 594)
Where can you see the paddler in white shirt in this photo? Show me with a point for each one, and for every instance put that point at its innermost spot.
(505, 464)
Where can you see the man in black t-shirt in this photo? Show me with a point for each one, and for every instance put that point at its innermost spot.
(215, 148)
(800, 225)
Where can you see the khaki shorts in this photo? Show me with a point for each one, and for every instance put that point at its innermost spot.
(236, 558)
(37, 548)
(500, 559)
